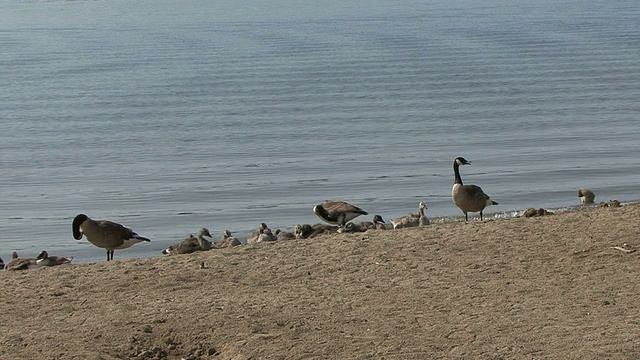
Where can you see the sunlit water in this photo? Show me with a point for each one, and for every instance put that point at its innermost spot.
(169, 116)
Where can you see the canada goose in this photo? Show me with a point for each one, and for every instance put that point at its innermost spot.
(377, 223)
(412, 219)
(469, 198)
(353, 227)
(105, 234)
(263, 234)
(284, 235)
(1, 263)
(586, 195)
(18, 263)
(191, 244)
(302, 231)
(228, 240)
(337, 212)
(45, 260)
(306, 231)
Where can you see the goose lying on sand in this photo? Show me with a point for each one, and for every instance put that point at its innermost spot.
(263, 234)
(284, 235)
(377, 223)
(45, 260)
(191, 244)
(228, 240)
(306, 231)
(18, 263)
(412, 219)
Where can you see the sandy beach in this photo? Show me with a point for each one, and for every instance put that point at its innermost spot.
(549, 287)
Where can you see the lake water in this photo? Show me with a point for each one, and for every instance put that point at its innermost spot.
(168, 116)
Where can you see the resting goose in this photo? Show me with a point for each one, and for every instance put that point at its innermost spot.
(263, 234)
(105, 234)
(228, 240)
(284, 235)
(302, 231)
(18, 263)
(45, 260)
(412, 219)
(191, 244)
(469, 198)
(586, 196)
(337, 212)
(377, 223)
(305, 231)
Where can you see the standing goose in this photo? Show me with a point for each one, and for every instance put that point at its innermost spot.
(412, 219)
(469, 198)
(337, 212)
(586, 196)
(105, 234)
(45, 260)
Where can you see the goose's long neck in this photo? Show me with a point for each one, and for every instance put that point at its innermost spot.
(456, 172)
(421, 211)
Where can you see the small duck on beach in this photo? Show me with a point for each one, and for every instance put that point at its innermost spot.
(376, 223)
(284, 235)
(18, 263)
(45, 260)
(412, 219)
(264, 234)
(191, 244)
(228, 240)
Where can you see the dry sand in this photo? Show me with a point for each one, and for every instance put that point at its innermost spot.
(548, 287)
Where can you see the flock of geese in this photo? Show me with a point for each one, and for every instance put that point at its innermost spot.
(337, 215)
(18, 263)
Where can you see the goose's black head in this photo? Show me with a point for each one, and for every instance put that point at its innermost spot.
(323, 214)
(377, 219)
(205, 232)
(77, 223)
(43, 255)
(461, 161)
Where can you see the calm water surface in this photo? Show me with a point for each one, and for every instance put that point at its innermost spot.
(169, 116)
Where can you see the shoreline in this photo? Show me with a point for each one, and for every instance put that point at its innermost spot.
(138, 253)
(543, 287)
